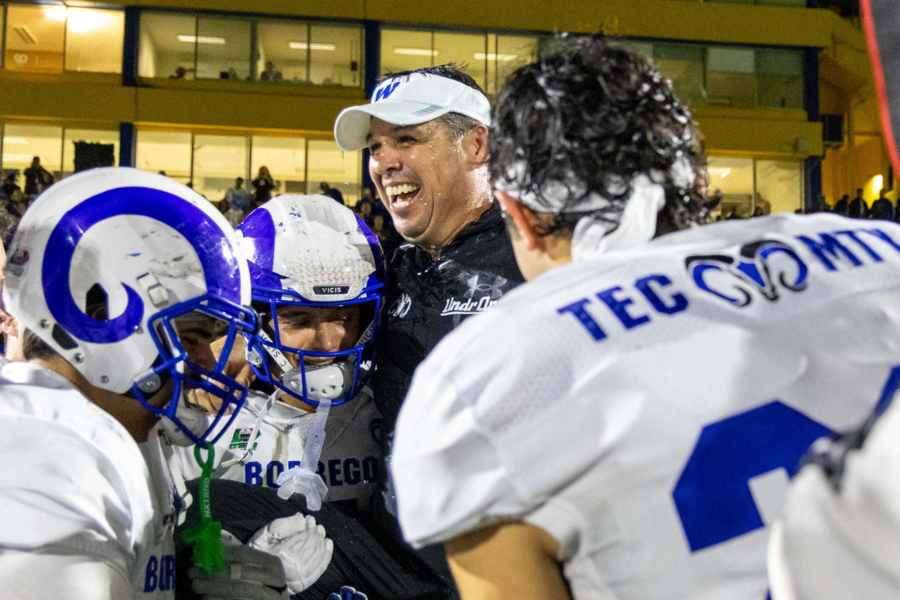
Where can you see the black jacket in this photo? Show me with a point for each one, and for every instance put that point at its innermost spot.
(427, 298)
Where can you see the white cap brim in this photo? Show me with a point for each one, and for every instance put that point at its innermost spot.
(351, 129)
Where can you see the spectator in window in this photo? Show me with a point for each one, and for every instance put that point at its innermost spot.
(37, 178)
(238, 201)
(857, 208)
(10, 214)
(180, 73)
(10, 187)
(365, 209)
(367, 195)
(270, 73)
(763, 207)
(331, 192)
(12, 208)
(262, 186)
(842, 206)
(882, 209)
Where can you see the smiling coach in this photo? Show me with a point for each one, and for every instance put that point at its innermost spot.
(427, 136)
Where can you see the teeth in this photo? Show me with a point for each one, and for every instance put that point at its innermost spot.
(403, 188)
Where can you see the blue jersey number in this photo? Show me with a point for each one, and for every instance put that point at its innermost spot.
(712, 494)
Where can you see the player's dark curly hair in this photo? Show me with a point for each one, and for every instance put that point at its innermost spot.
(592, 116)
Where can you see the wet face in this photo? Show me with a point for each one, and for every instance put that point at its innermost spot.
(318, 330)
(429, 181)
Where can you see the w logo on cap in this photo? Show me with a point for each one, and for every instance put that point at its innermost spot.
(385, 91)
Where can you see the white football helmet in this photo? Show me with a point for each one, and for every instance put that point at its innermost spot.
(311, 251)
(104, 263)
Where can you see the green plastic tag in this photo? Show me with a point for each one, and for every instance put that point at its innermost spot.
(206, 537)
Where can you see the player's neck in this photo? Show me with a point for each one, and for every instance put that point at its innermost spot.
(134, 418)
(554, 251)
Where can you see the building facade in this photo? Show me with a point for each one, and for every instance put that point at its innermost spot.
(211, 90)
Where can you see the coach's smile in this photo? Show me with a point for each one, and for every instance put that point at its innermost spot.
(423, 175)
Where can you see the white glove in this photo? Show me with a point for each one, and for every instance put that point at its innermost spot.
(301, 544)
(300, 480)
(249, 574)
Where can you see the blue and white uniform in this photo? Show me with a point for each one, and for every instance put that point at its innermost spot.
(647, 407)
(267, 438)
(83, 516)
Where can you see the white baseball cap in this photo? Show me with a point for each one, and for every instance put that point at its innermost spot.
(410, 100)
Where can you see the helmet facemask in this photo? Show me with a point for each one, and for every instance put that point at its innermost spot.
(294, 371)
(202, 399)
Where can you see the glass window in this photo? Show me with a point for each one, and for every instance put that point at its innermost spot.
(779, 185)
(166, 151)
(281, 51)
(405, 50)
(730, 78)
(94, 40)
(34, 38)
(780, 78)
(167, 46)
(286, 160)
(466, 50)
(335, 55)
(21, 143)
(734, 178)
(683, 64)
(91, 156)
(218, 160)
(223, 48)
(341, 170)
(508, 53)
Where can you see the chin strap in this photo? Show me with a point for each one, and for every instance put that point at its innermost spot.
(277, 355)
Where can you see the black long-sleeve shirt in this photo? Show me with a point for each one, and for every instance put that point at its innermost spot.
(428, 297)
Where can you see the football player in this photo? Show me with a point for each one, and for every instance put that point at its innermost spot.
(316, 273)
(118, 280)
(624, 424)
(317, 277)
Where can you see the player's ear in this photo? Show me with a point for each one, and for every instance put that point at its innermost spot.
(524, 220)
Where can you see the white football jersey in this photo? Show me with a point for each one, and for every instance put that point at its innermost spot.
(839, 535)
(80, 511)
(267, 439)
(646, 408)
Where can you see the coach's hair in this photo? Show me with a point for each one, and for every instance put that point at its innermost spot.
(34, 347)
(591, 116)
(456, 123)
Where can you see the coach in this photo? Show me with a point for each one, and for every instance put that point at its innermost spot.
(427, 136)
